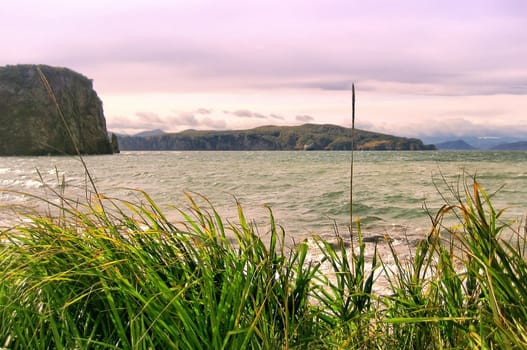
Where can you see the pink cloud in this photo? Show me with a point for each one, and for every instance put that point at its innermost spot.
(278, 48)
(304, 118)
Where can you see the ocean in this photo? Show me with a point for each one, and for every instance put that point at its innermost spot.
(394, 193)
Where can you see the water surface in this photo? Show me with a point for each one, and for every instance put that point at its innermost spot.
(308, 192)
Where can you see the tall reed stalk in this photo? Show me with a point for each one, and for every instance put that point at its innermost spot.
(352, 152)
(70, 133)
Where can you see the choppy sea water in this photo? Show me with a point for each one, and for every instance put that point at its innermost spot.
(309, 192)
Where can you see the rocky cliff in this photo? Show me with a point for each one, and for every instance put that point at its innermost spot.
(302, 137)
(30, 122)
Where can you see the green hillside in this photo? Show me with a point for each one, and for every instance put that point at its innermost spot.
(302, 137)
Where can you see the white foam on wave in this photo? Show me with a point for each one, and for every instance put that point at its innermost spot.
(10, 197)
(33, 184)
(20, 183)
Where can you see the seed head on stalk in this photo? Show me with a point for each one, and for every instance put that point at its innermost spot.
(352, 149)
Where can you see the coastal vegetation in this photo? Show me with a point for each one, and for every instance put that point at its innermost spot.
(114, 274)
(301, 137)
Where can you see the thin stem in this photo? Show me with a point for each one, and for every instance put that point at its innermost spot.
(352, 152)
(74, 140)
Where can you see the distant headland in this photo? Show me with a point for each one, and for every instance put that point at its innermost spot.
(303, 137)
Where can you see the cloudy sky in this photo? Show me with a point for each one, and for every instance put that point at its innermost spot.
(420, 67)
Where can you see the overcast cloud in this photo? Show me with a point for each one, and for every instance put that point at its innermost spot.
(418, 66)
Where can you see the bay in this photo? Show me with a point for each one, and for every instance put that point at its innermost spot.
(394, 193)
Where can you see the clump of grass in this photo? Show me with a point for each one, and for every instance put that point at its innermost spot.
(465, 286)
(113, 274)
(131, 279)
(345, 297)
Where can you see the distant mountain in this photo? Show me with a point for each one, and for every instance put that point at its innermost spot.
(454, 145)
(150, 133)
(478, 142)
(303, 137)
(512, 146)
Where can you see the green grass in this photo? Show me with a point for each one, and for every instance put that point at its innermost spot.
(112, 274)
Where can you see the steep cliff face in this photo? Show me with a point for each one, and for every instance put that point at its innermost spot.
(30, 123)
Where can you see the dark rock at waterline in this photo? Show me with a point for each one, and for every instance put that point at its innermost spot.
(30, 123)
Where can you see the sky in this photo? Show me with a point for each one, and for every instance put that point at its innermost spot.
(446, 68)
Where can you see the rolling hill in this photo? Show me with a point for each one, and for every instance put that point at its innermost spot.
(302, 137)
